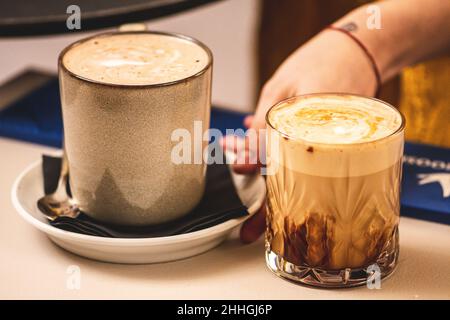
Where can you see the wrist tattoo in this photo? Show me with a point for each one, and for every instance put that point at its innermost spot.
(351, 26)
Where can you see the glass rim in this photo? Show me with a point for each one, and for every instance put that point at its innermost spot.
(397, 131)
(207, 66)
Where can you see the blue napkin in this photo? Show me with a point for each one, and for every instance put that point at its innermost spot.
(426, 183)
(35, 117)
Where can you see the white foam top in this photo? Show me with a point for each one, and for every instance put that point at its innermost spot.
(335, 119)
(136, 59)
(325, 134)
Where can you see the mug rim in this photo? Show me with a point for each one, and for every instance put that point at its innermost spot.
(130, 86)
(397, 131)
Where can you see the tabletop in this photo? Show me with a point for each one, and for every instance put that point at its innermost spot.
(32, 267)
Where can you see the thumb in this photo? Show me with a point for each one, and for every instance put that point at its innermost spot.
(254, 227)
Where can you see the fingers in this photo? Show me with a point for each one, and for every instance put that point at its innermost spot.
(246, 157)
(254, 227)
(233, 144)
(248, 120)
(246, 161)
(243, 164)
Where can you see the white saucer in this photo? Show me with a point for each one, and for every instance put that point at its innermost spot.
(28, 188)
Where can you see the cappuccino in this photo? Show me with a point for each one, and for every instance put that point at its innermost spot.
(136, 59)
(123, 94)
(333, 192)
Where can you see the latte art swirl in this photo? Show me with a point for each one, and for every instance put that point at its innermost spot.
(335, 121)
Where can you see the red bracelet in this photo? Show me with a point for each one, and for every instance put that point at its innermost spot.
(376, 71)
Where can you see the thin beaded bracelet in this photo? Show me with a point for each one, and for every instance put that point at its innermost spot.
(376, 71)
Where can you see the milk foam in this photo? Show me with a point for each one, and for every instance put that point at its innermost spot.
(335, 119)
(331, 135)
(136, 59)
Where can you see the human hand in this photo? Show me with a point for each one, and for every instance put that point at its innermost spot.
(330, 62)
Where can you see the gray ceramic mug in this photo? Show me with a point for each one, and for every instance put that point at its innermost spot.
(118, 144)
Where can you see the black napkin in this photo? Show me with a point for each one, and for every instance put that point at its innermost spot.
(219, 204)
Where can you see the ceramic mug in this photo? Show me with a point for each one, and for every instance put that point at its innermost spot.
(118, 143)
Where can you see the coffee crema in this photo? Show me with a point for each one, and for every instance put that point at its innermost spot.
(136, 59)
(335, 120)
(334, 135)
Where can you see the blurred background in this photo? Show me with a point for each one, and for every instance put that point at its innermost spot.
(227, 27)
(249, 40)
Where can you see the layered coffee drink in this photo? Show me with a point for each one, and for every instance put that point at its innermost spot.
(334, 171)
(123, 96)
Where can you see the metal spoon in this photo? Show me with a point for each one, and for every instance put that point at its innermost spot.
(58, 203)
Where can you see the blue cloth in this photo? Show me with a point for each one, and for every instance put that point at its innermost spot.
(426, 172)
(35, 117)
(426, 183)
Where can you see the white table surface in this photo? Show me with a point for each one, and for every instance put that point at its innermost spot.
(31, 266)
